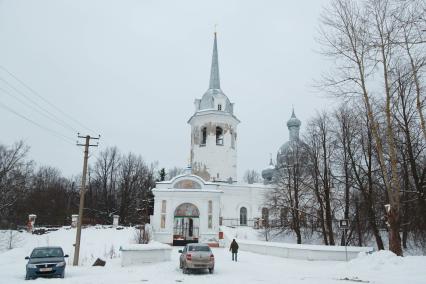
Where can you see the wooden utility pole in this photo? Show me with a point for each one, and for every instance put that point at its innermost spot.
(82, 192)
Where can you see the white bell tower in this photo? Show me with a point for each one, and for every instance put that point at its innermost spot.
(214, 131)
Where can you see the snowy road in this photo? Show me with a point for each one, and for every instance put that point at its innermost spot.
(251, 268)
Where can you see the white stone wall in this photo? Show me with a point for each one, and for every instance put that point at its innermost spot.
(211, 161)
(235, 196)
(304, 252)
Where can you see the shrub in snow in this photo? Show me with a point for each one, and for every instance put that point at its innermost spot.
(111, 252)
(143, 234)
(10, 239)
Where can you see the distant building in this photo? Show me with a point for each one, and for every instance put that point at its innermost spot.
(292, 152)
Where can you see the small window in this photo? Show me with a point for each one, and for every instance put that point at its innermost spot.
(210, 214)
(163, 221)
(219, 136)
(219, 107)
(232, 139)
(210, 207)
(163, 206)
(203, 136)
(163, 214)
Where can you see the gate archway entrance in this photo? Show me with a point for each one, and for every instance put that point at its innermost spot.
(186, 224)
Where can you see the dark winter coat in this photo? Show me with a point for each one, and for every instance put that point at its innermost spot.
(234, 247)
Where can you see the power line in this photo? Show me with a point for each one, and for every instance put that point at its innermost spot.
(53, 116)
(55, 133)
(37, 110)
(45, 100)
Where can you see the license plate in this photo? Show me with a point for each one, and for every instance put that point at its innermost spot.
(200, 265)
(46, 269)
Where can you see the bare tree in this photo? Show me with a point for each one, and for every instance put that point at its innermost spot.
(175, 171)
(289, 199)
(14, 179)
(364, 39)
(10, 239)
(251, 176)
(321, 146)
(103, 184)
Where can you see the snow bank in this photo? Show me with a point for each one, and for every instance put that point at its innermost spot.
(149, 246)
(377, 260)
(144, 253)
(385, 267)
(379, 268)
(96, 242)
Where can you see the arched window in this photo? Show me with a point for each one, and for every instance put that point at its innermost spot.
(243, 216)
(265, 217)
(219, 136)
(203, 136)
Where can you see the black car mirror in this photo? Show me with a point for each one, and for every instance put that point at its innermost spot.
(180, 251)
(27, 257)
(66, 255)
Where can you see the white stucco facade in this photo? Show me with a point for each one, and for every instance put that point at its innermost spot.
(217, 204)
(193, 206)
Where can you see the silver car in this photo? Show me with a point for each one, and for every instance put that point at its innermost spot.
(196, 256)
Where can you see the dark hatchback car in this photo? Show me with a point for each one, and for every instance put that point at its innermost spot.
(46, 262)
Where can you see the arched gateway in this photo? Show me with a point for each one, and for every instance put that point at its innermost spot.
(186, 224)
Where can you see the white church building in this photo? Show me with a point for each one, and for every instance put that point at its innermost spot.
(192, 207)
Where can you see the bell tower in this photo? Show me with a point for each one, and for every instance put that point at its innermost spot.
(214, 131)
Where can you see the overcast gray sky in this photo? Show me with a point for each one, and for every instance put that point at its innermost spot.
(130, 70)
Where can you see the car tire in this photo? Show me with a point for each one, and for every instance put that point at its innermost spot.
(180, 265)
(185, 270)
(211, 270)
(27, 277)
(63, 275)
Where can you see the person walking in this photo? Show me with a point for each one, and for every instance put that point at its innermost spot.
(234, 249)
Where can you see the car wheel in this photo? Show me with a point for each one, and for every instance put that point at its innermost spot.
(211, 270)
(27, 277)
(185, 270)
(63, 275)
(180, 265)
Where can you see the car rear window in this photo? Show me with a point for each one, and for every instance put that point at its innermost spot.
(198, 248)
(47, 252)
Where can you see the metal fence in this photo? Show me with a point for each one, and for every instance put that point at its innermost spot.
(235, 222)
(185, 232)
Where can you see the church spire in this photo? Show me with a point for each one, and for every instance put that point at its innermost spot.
(214, 72)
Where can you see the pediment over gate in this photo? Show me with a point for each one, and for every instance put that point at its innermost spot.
(186, 181)
(187, 184)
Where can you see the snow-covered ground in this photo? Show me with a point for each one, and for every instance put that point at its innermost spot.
(380, 267)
